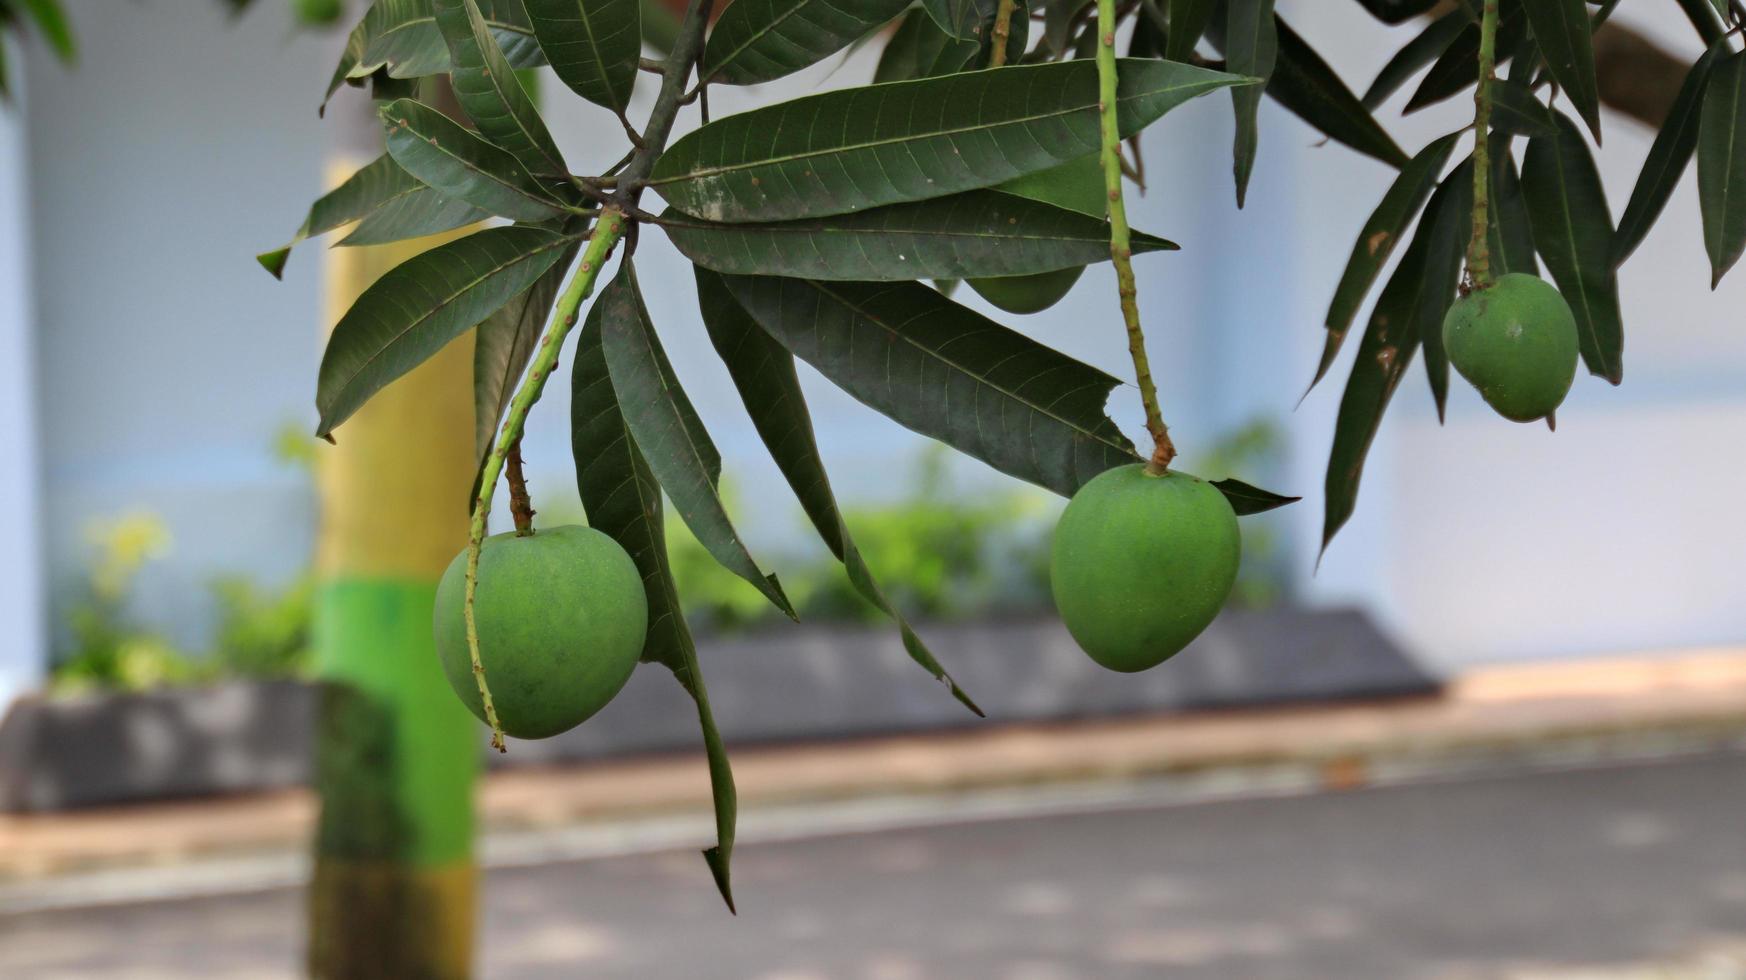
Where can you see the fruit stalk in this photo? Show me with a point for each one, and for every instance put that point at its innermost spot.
(1478, 248)
(1120, 252)
(520, 504)
(607, 232)
(1002, 31)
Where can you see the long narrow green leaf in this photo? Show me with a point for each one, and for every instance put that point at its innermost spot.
(1447, 225)
(761, 40)
(964, 19)
(1667, 159)
(422, 304)
(1457, 68)
(503, 346)
(401, 37)
(919, 49)
(1377, 239)
(623, 501)
(1384, 353)
(489, 91)
(1561, 29)
(1721, 165)
(973, 234)
(378, 189)
(1512, 231)
(1246, 499)
(51, 23)
(908, 141)
(1189, 20)
(1515, 110)
(947, 372)
(1422, 50)
(592, 45)
(763, 372)
(1704, 19)
(668, 431)
(1396, 11)
(415, 214)
(1303, 83)
(1573, 232)
(1251, 48)
(458, 164)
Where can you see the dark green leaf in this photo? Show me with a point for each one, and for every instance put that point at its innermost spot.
(1561, 29)
(592, 45)
(1458, 67)
(380, 194)
(1512, 232)
(908, 141)
(422, 304)
(51, 23)
(1703, 17)
(1385, 352)
(1667, 159)
(1246, 499)
(1721, 165)
(1446, 228)
(669, 432)
(488, 90)
(760, 40)
(1188, 22)
(458, 164)
(973, 234)
(1060, 17)
(503, 346)
(965, 19)
(1573, 232)
(919, 49)
(1303, 83)
(1377, 240)
(763, 372)
(623, 502)
(949, 373)
(401, 37)
(1515, 110)
(1251, 47)
(1396, 11)
(1416, 54)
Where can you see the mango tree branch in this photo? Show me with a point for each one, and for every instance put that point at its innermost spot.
(686, 49)
(1002, 31)
(1120, 252)
(1478, 250)
(607, 231)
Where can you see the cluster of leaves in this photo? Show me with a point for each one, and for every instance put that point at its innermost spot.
(1554, 207)
(814, 226)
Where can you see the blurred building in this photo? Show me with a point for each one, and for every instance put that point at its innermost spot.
(147, 362)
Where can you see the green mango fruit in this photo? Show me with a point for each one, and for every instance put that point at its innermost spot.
(561, 616)
(1141, 564)
(1515, 341)
(1077, 185)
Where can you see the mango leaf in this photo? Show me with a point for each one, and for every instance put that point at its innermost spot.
(1384, 353)
(1246, 499)
(503, 346)
(422, 304)
(401, 38)
(417, 213)
(1427, 47)
(760, 40)
(1189, 20)
(1377, 239)
(1705, 18)
(1511, 233)
(1251, 47)
(976, 233)
(1396, 11)
(919, 49)
(1573, 232)
(1457, 68)
(458, 164)
(1721, 165)
(963, 19)
(1515, 110)
(669, 432)
(51, 24)
(1667, 159)
(948, 373)
(763, 372)
(623, 501)
(1561, 29)
(378, 188)
(488, 90)
(1446, 226)
(909, 141)
(592, 45)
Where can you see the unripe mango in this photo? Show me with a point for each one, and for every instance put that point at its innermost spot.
(1076, 185)
(1515, 341)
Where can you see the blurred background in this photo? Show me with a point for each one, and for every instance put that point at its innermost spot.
(1493, 731)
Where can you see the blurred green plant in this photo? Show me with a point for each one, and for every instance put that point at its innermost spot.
(1251, 449)
(109, 649)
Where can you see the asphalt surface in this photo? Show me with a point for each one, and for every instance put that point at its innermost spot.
(1631, 873)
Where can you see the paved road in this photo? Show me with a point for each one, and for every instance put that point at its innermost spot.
(1624, 874)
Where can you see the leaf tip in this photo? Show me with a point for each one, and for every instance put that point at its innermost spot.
(718, 868)
(274, 261)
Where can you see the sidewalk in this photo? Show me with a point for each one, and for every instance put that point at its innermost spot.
(1491, 718)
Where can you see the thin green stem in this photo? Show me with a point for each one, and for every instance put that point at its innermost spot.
(1001, 33)
(607, 233)
(1478, 247)
(1120, 251)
